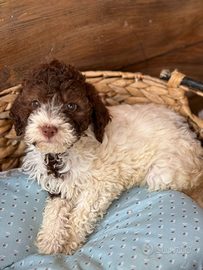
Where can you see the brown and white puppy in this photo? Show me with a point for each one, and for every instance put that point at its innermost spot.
(86, 160)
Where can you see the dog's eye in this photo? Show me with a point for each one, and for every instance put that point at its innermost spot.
(72, 106)
(35, 103)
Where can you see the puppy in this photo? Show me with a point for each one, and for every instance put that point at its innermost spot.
(86, 155)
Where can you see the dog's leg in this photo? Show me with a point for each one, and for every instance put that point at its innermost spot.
(90, 209)
(54, 230)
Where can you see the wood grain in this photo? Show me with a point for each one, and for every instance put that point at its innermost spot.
(189, 60)
(106, 35)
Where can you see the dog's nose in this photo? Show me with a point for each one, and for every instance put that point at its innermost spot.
(49, 131)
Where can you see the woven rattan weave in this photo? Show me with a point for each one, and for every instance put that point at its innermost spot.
(114, 88)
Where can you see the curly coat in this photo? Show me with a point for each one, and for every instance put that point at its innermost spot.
(85, 160)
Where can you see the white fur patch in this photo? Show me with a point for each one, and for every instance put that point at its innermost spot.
(143, 144)
(48, 115)
(139, 147)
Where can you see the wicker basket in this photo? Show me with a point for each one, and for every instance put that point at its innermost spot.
(114, 88)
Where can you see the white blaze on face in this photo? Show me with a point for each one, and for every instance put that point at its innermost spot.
(50, 115)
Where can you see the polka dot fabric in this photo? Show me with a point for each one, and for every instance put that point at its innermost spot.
(21, 207)
(141, 230)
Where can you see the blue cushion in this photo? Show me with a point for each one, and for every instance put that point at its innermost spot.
(141, 230)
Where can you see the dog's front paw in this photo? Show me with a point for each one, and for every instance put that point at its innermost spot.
(54, 232)
(71, 247)
(49, 242)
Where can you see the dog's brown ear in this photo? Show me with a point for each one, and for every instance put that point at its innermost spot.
(100, 114)
(15, 114)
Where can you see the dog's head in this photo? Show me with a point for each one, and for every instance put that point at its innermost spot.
(55, 106)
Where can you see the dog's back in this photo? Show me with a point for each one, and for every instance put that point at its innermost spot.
(155, 146)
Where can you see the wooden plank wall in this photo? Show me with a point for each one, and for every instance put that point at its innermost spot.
(129, 35)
